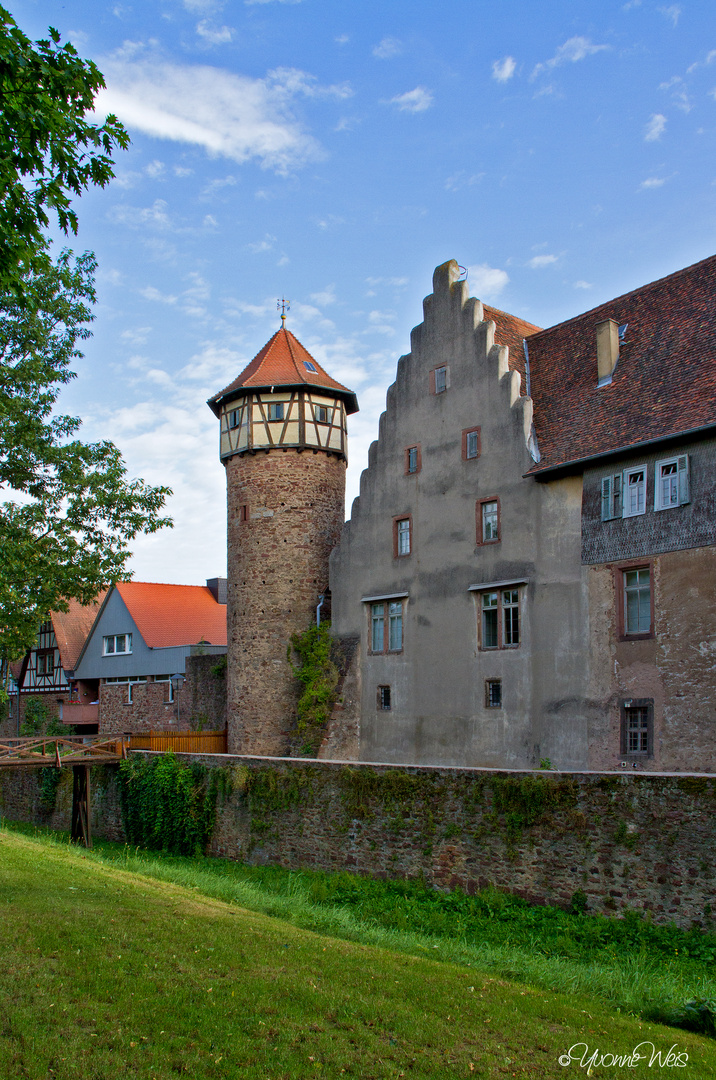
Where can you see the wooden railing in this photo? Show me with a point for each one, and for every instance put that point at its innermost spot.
(181, 742)
(61, 750)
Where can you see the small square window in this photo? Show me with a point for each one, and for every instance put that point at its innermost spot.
(384, 698)
(637, 600)
(488, 521)
(275, 410)
(412, 459)
(493, 693)
(402, 537)
(45, 663)
(234, 418)
(470, 444)
(321, 414)
(634, 491)
(638, 727)
(671, 483)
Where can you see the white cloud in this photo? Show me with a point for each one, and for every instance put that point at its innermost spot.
(250, 3)
(672, 12)
(502, 70)
(540, 261)
(485, 281)
(135, 216)
(155, 170)
(214, 35)
(329, 221)
(414, 101)
(154, 295)
(387, 47)
(651, 182)
(462, 179)
(679, 93)
(137, 336)
(655, 128)
(326, 296)
(582, 284)
(209, 221)
(576, 48)
(229, 115)
(262, 245)
(342, 39)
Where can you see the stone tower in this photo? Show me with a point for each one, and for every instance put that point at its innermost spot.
(283, 442)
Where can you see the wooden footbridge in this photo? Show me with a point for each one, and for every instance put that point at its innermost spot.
(80, 752)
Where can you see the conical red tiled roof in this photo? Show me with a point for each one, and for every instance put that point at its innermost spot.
(283, 361)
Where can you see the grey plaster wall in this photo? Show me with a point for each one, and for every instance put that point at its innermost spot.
(438, 713)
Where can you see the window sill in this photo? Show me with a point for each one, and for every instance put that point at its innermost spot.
(637, 637)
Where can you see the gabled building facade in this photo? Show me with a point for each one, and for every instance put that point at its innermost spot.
(529, 573)
(144, 634)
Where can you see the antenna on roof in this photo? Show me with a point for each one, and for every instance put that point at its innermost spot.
(283, 306)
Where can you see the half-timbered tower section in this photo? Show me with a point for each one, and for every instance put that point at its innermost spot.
(283, 443)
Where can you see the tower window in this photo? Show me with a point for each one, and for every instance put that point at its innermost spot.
(321, 414)
(275, 410)
(234, 418)
(384, 698)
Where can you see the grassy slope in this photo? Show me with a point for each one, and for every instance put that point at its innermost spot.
(105, 972)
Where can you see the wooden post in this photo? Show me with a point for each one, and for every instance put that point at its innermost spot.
(81, 823)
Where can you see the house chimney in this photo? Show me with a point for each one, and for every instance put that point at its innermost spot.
(217, 587)
(607, 350)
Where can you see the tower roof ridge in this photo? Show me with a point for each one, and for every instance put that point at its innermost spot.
(283, 362)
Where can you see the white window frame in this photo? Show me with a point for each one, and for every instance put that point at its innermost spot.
(403, 536)
(627, 490)
(680, 488)
(113, 651)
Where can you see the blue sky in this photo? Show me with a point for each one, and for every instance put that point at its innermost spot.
(335, 153)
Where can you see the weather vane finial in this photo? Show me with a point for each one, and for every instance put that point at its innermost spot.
(283, 306)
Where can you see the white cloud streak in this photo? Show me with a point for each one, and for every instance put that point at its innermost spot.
(486, 282)
(387, 48)
(503, 70)
(413, 101)
(574, 49)
(655, 128)
(229, 115)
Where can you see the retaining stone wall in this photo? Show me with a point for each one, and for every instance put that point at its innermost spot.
(640, 841)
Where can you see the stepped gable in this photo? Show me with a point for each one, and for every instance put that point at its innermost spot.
(664, 383)
(511, 331)
(72, 628)
(172, 615)
(283, 362)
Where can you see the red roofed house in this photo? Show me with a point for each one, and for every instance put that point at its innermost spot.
(46, 673)
(529, 573)
(143, 634)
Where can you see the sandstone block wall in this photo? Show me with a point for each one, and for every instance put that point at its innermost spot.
(644, 841)
(199, 705)
(285, 514)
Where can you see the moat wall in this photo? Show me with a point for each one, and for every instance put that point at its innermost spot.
(636, 841)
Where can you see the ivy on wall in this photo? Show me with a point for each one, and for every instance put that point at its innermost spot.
(318, 675)
(166, 805)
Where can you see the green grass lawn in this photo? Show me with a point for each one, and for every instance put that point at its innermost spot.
(105, 972)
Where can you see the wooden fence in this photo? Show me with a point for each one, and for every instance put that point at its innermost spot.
(181, 742)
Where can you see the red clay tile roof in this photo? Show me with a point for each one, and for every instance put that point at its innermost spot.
(72, 628)
(282, 362)
(171, 615)
(511, 331)
(664, 383)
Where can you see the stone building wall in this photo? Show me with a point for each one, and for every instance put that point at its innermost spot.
(285, 513)
(199, 705)
(644, 842)
(675, 669)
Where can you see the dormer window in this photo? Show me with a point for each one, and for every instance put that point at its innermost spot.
(309, 366)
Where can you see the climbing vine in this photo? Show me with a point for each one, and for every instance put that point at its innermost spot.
(40, 720)
(318, 675)
(167, 805)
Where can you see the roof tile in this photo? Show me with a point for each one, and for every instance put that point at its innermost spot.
(172, 615)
